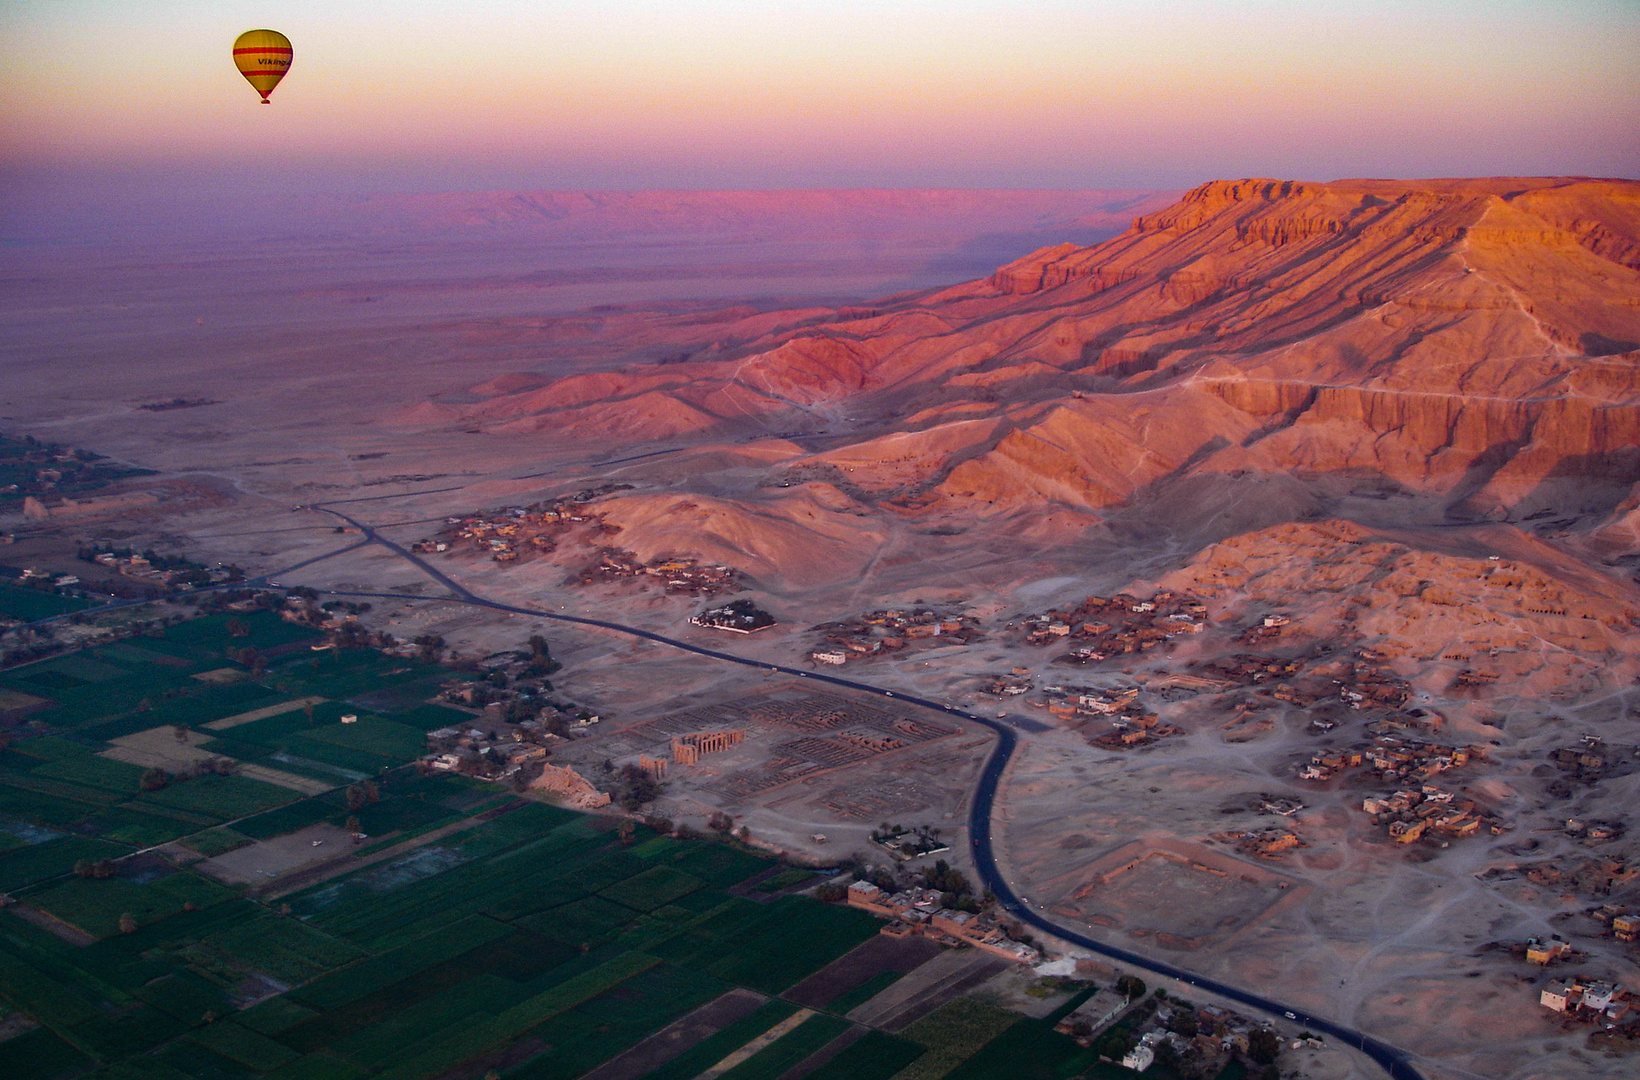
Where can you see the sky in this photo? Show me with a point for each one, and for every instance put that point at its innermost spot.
(416, 95)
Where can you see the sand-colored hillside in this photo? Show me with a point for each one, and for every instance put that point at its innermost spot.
(798, 539)
(1519, 626)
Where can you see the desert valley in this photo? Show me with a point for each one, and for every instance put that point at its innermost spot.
(1284, 536)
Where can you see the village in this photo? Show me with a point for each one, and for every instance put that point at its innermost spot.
(1114, 626)
(1112, 718)
(1119, 1019)
(676, 575)
(1580, 998)
(736, 617)
(891, 630)
(1414, 808)
(1590, 1001)
(1202, 1039)
(511, 531)
(512, 534)
(922, 911)
(516, 722)
(32, 471)
(1115, 1014)
(167, 572)
(147, 575)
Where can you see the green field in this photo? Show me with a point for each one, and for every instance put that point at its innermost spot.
(373, 735)
(853, 999)
(537, 926)
(19, 602)
(221, 797)
(792, 875)
(40, 1054)
(38, 862)
(785, 1052)
(652, 888)
(1032, 1050)
(523, 934)
(876, 1056)
(720, 1044)
(769, 947)
(93, 771)
(211, 635)
(96, 906)
(953, 1033)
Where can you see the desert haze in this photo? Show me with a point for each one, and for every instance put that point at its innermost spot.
(1269, 493)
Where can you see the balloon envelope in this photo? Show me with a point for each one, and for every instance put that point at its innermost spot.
(263, 57)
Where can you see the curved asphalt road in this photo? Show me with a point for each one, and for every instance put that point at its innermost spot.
(1394, 1061)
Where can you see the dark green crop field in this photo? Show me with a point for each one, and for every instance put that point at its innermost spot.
(472, 930)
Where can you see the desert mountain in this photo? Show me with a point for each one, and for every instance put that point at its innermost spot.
(1458, 349)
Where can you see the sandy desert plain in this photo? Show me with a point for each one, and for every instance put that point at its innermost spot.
(1384, 436)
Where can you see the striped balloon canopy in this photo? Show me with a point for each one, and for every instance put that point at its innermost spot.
(263, 57)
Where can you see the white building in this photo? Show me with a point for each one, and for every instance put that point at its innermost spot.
(1556, 996)
(1598, 995)
(1139, 1058)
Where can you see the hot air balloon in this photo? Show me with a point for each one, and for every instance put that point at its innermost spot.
(263, 57)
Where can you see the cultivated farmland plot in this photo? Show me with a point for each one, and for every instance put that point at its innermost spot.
(472, 928)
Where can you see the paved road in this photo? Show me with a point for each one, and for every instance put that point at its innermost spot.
(1395, 1062)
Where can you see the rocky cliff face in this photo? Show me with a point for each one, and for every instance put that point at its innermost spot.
(1471, 345)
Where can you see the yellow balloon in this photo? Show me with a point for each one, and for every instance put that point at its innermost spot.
(263, 57)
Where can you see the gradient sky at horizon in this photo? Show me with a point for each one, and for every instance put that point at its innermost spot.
(415, 95)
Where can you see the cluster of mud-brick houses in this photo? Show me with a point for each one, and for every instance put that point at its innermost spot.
(510, 531)
(890, 631)
(922, 911)
(1103, 627)
(1589, 1000)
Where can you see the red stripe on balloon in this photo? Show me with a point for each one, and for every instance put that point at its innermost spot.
(271, 49)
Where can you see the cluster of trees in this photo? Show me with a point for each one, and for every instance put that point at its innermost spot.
(634, 787)
(156, 778)
(831, 892)
(952, 885)
(221, 598)
(247, 658)
(350, 635)
(364, 793)
(540, 658)
(1263, 1044)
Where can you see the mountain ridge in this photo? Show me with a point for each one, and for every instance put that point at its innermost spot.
(1471, 347)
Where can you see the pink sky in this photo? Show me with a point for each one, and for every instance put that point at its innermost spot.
(744, 93)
